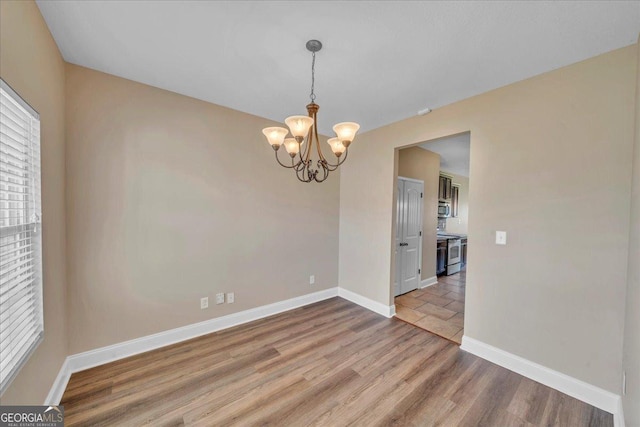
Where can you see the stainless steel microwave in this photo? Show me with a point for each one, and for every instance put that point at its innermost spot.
(444, 209)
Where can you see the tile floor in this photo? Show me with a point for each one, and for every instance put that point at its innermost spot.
(438, 308)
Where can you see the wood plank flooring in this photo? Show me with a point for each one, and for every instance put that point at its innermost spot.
(332, 363)
(438, 308)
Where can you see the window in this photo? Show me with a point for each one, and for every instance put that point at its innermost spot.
(21, 316)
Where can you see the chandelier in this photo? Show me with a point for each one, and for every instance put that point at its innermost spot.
(304, 131)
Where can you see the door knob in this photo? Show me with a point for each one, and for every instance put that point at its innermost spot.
(404, 244)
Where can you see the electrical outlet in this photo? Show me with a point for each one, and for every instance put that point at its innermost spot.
(312, 279)
(230, 298)
(204, 303)
(220, 298)
(501, 237)
(624, 383)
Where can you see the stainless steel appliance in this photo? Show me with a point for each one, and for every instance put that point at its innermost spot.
(454, 256)
(444, 209)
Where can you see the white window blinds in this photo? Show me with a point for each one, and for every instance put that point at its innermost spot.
(21, 316)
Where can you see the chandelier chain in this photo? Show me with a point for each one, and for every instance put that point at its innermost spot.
(313, 77)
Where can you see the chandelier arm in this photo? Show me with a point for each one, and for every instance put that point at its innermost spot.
(299, 166)
(304, 174)
(298, 175)
(341, 160)
(301, 178)
(301, 169)
(282, 164)
(331, 168)
(320, 155)
(299, 158)
(315, 131)
(309, 147)
(325, 171)
(303, 153)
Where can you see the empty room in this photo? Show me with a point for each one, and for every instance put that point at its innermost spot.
(327, 213)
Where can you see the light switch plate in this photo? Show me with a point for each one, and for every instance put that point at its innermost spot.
(501, 237)
(230, 297)
(204, 303)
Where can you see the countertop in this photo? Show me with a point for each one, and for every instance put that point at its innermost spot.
(443, 237)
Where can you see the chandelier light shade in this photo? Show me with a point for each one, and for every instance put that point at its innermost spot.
(305, 129)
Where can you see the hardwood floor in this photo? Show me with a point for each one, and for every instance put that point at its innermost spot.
(438, 308)
(332, 363)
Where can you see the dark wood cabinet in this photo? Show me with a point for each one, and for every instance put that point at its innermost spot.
(455, 192)
(444, 188)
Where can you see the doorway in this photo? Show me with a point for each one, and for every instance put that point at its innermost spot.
(408, 235)
(438, 303)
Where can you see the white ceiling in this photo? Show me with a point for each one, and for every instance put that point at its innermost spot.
(454, 152)
(381, 61)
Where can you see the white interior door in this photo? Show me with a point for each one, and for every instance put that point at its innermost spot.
(408, 235)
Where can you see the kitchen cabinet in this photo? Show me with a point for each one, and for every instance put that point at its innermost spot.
(441, 257)
(444, 188)
(455, 192)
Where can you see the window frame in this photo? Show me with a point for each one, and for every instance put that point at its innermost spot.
(33, 194)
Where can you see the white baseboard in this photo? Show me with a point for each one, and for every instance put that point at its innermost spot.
(100, 356)
(585, 392)
(375, 306)
(581, 390)
(392, 310)
(59, 385)
(430, 281)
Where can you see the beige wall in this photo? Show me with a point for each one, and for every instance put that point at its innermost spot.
(631, 351)
(460, 224)
(171, 199)
(31, 64)
(424, 165)
(555, 293)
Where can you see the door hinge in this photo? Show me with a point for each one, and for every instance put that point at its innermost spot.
(420, 234)
(418, 271)
(421, 195)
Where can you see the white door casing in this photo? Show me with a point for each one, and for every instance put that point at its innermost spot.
(396, 282)
(408, 235)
